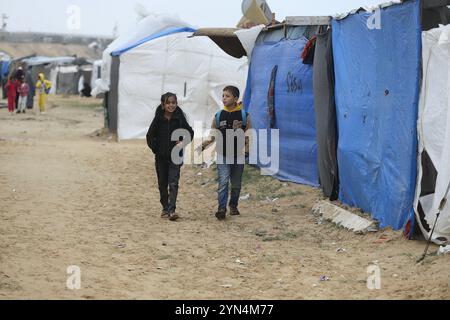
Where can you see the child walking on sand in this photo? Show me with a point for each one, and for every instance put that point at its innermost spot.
(168, 118)
(229, 169)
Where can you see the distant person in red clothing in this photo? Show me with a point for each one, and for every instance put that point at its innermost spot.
(23, 89)
(11, 89)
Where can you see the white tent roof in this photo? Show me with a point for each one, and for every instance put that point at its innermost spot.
(151, 24)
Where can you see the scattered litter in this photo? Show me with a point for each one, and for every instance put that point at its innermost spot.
(340, 250)
(159, 268)
(239, 261)
(226, 285)
(274, 210)
(319, 221)
(260, 233)
(121, 245)
(14, 190)
(324, 278)
(395, 275)
(381, 239)
(268, 199)
(314, 285)
(372, 229)
(271, 238)
(443, 250)
(199, 174)
(245, 197)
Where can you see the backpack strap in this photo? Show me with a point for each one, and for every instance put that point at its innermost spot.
(244, 118)
(218, 113)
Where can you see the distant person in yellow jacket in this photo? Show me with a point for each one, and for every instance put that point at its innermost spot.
(42, 88)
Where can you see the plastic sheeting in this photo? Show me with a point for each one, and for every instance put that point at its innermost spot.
(156, 35)
(151, 24)
(325, 115)
(377, 90)
(248, 38)
(434, 132)
(195, 69)
(293, 105)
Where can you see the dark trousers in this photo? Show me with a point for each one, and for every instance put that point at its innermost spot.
(168, 177)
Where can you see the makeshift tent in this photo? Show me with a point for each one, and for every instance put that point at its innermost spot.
(96, 72)
(434, 135)
(163, 59)
(4, 70)
(377, 74)
(279, 95)
(63, 72)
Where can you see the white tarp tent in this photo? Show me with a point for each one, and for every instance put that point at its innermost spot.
(159, 57)
(434, 131)
(96, 72)
(153, 23)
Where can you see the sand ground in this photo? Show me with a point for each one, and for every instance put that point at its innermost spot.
(69, 197)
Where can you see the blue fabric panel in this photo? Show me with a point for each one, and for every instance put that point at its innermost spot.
(377, 92)
(160, 34)
(294, 110)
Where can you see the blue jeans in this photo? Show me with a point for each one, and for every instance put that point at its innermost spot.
(227, 173)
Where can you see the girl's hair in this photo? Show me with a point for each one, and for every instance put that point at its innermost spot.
(166, 97)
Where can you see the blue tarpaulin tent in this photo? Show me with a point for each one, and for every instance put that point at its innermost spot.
(377, 72)
(279, 62)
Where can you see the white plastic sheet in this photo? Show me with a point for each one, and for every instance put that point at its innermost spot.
(151, 24)
(248, 38)
(434, 126)
(195, 69)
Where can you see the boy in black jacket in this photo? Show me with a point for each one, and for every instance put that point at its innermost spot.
(168, 118)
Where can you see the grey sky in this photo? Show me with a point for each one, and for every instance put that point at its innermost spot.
(98, 17)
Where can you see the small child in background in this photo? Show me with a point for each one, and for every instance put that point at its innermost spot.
(24, 89)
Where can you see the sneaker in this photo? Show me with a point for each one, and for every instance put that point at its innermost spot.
(234, 211)
(221, 213)
(173, 216)
(164, 214)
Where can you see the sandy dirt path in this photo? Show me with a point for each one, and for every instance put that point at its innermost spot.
(70, 198)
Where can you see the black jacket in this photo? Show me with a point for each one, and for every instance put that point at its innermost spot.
(160, 132)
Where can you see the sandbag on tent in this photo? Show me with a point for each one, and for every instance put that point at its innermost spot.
(325, 110)
(434, 134)
(290, 97)
(377, 74)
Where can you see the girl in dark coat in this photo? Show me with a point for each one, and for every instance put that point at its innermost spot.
(168, 118)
